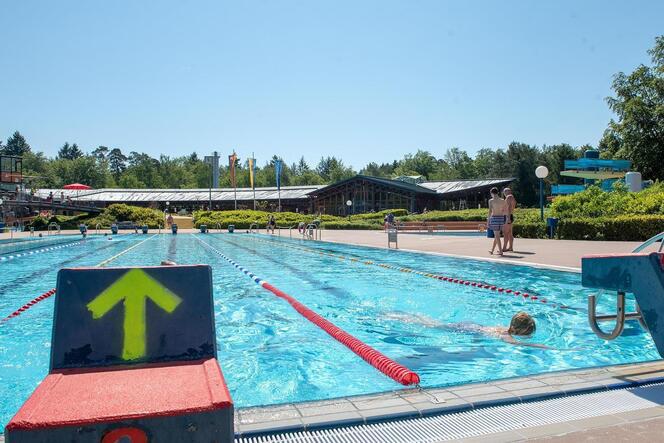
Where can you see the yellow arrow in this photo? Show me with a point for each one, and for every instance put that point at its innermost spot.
(134, 288)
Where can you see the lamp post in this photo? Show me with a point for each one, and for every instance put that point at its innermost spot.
(349, 203)
(541, 172)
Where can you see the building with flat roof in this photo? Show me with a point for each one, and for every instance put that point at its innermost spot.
(365, 193)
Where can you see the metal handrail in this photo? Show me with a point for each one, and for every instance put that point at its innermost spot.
(52, 225)
(251, 228)
(312, 232)
(218, 226)
(97, 226)
(659, 237)
(620, 316)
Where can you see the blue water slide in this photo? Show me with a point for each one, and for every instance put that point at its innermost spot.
(566, 189)
(597, 163)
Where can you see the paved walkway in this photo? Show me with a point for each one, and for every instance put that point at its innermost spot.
(564, 253)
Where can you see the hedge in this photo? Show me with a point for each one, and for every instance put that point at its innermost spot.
(242, 219)
(623, 227)
(351, 225)
(529, 229)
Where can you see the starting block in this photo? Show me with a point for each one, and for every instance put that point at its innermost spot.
(133, 360)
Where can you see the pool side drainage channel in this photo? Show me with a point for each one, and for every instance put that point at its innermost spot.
(384, 364)
(480, 422)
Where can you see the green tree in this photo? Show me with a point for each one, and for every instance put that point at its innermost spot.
(524, 159)
(69, 152)
(422, 163)
(638, 133)
(117, 163)
(459, 161)
(100, 153)
(16, 145)
(554, 157)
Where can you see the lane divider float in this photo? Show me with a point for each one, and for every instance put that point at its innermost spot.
(479, 285)
(5, 258)
(50, 292)
(384, 364)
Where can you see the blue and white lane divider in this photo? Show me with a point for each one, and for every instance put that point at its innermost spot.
(4, 258)
(259, 281)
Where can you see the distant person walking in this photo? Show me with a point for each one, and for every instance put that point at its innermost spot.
(508, 232)
(497, 218)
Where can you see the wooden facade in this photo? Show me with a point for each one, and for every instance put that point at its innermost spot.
(372, 194)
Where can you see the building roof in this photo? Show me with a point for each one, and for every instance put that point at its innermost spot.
(453, 186)
(405, 186)
(181, 195)
(118, 195)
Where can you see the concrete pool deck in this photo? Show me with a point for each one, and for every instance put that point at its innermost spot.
(412, 403)
(552, 253)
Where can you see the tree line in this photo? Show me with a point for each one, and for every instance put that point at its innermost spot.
(637, 134)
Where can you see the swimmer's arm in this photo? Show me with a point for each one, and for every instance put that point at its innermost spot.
(509, 339)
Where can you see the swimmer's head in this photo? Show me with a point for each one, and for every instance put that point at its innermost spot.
(522, 324)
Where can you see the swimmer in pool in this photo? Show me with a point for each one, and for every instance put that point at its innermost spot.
(521, 325)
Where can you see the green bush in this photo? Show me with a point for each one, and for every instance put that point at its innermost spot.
(593, 202)
(121, 212)
(620, 228)
(350, 225)
(40, 223)
(527, 214)
(242, 219)
(529, 229)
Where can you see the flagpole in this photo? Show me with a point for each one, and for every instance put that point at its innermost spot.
(253, 179)
(234, 182)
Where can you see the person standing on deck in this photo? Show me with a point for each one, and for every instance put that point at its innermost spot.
(497, 218)
(508, 244)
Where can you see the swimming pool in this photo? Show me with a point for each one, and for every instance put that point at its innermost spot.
(270, 354)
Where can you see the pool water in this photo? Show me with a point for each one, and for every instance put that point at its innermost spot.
(270, 354)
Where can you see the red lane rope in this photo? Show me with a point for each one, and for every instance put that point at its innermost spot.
(525, 295)
(30, 304)
(375, 358)
(384, 364)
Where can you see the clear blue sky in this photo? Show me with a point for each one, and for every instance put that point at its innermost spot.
(362, 80)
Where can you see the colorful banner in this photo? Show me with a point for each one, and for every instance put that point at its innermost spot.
(277, 171)
(252, 171)
(231, 164)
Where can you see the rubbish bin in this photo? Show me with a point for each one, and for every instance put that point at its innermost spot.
(114, 228)
(144, 228)
(551, 225)
(203, 229)
(174, 228)
(82, 228)
(231, 228)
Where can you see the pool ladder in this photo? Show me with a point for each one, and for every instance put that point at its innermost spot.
(253, 228)
(620, 315)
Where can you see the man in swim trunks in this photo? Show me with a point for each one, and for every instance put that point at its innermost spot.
(497, 218)
(508, 244)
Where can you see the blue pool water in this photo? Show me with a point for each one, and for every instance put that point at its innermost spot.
(270, 354)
